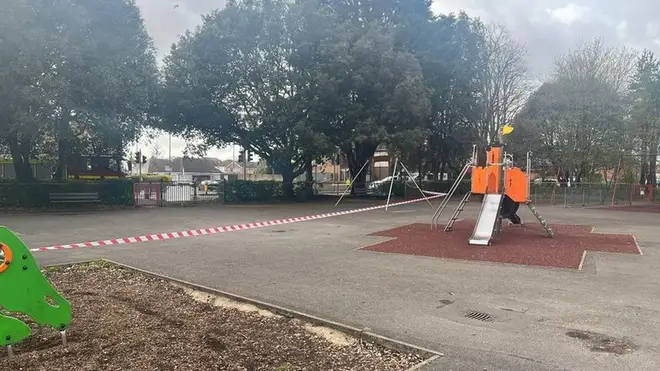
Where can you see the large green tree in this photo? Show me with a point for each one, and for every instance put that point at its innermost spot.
(368, 87)
(25, 34)
(238, 78)
(105, 78)
(452, 63)
(80, 71)
(645, 98)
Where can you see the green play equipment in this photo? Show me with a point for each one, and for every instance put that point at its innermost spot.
(25, 290)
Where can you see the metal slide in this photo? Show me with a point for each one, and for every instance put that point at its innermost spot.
(488, 214)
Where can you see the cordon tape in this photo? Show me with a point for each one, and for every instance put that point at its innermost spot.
(223, 229)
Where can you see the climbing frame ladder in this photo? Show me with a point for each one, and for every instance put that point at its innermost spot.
(452, 190)
(457, 212)
(541, 220)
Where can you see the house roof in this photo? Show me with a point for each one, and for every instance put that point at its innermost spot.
(191, 165)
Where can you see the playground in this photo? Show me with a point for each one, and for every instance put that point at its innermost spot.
(536, 287)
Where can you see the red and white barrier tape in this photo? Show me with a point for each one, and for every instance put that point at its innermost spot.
(223, 229)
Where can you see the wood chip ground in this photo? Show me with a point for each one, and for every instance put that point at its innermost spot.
(127, 321)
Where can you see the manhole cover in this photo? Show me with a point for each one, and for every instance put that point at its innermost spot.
(479, 316)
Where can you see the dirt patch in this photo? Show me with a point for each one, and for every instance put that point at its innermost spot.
(526, 244)
(127, 321)
(603, 343)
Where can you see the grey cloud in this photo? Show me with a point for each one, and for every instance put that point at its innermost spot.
(167, 19)
(532, 22)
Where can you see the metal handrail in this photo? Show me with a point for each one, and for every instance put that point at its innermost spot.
(454, 187)
(452, 190)
(528, 171)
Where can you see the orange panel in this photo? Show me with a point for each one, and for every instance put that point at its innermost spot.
(516, 183)
(493, 173)
(494, 169)
(495, 155)
(478, 180)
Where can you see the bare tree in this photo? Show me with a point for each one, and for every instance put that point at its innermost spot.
(578, 119)
(595, 61)
(505, 83)
(156, 151)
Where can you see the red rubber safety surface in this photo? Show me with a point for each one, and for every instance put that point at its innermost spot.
(525, 245)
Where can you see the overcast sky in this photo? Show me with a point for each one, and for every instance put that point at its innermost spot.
(547, 27)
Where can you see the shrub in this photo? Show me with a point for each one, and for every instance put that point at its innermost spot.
(116, 192)
(248, 191)
(408, 189)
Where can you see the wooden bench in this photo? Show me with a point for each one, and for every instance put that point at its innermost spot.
(74, 198)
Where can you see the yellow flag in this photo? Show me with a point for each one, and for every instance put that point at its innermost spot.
(507, 129)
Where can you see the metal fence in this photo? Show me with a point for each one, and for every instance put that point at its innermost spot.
(582, 194)
(592, 194)
(167, 194)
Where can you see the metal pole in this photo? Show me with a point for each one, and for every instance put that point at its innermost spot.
(389, 194)
(529, 181)
(349, 185)
(415, 183)
(245, 154)
(140, 163)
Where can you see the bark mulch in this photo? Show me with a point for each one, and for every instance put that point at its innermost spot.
(124, 320)
(527, 244)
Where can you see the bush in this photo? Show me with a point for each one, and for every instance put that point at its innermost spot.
(248, 191)
(116, 192)
(152, 178)
(406, 189)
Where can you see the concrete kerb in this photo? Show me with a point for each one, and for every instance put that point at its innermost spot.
(361, 334)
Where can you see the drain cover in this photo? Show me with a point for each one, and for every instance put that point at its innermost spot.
(479, 316)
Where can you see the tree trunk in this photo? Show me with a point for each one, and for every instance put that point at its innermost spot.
(643, 171)
(287, 183)
(62, 144)
(654, 158)
(20, 153)
(309, 175)
(357, 156)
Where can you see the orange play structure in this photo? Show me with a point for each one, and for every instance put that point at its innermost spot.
(487, 179)
(504, 187)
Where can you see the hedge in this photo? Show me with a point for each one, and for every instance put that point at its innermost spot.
(247, 191)
(151, 178)
(116, 192)
(403, 189)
